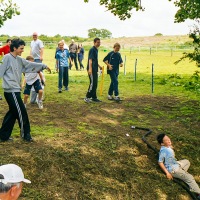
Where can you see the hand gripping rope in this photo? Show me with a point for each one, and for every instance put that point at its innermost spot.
(178, 181)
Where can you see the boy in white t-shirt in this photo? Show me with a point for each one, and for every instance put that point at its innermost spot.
(33, 79)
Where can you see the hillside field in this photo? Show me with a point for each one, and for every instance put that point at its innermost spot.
(88, 151)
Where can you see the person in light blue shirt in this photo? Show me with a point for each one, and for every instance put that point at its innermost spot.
(172, 167)
(62, 65)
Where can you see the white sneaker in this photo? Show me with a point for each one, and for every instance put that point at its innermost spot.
(117, 98)
(40, 104)
(87, 100)
(110, 97)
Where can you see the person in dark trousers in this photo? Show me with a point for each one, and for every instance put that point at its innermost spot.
(113, 60)
(73, 54)
(92, 69)
(11, 70)
(80, 56)
(62, 63)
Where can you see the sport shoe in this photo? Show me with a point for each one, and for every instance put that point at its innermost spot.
(87, 100)
(40, 104)
(60, 90)
(96, 100)
(116, 98)
(1, 97)
(66, 89)
(29, 140)
(8, 140)
(110, 97)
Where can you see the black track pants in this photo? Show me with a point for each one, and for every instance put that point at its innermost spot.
(17, 111)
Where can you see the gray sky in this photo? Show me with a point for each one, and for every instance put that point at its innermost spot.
(74, 17)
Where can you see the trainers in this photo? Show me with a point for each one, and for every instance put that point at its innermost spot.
(60, 90)
(66, 89)
(1, 97)
(110, 97)
(40, 104)
(87, 100)
(116, 98)
(96, 100)
(8, 140)
(29, 140)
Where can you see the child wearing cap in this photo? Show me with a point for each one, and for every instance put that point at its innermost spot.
(11, 179)
(172, 167)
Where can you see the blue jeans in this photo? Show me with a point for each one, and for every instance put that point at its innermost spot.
(114, 83)
(37, 61)
(63, 77)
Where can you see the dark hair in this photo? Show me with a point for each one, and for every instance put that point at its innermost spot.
(8, 40)
(96, 39)
(160, 138)
(16, 43)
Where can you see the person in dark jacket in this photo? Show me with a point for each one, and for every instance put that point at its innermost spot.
(113, 60)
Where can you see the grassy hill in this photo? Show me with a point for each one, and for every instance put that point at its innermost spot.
(88, 151)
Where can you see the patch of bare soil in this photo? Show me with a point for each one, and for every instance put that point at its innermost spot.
(94, 154)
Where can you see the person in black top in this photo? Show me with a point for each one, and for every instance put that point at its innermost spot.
(92, 69)
(113, 60)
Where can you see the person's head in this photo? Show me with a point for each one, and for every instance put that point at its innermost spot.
(17, 46)
(8, 42)
(11, 179)
(30, 58)
(97, 42)
(116, 47)
(35, 36)
(164, 140)
(80, 45)
(61, 45)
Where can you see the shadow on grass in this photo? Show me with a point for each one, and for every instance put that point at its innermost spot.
(89, 156)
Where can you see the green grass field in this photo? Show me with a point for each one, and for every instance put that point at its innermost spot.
(82, 151)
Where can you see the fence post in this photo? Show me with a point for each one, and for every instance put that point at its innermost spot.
(150, 50)
(152, 79)
(135, 68)
(125, 65)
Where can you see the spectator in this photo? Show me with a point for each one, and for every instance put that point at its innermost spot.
(11, 181)
(33, 80)
(73, 54)
(92, 68)
(80, 56)
(37, 48)
(62, 63)
(113, 60)
(5, 49)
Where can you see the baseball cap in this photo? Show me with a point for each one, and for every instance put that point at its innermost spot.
(11, 173)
